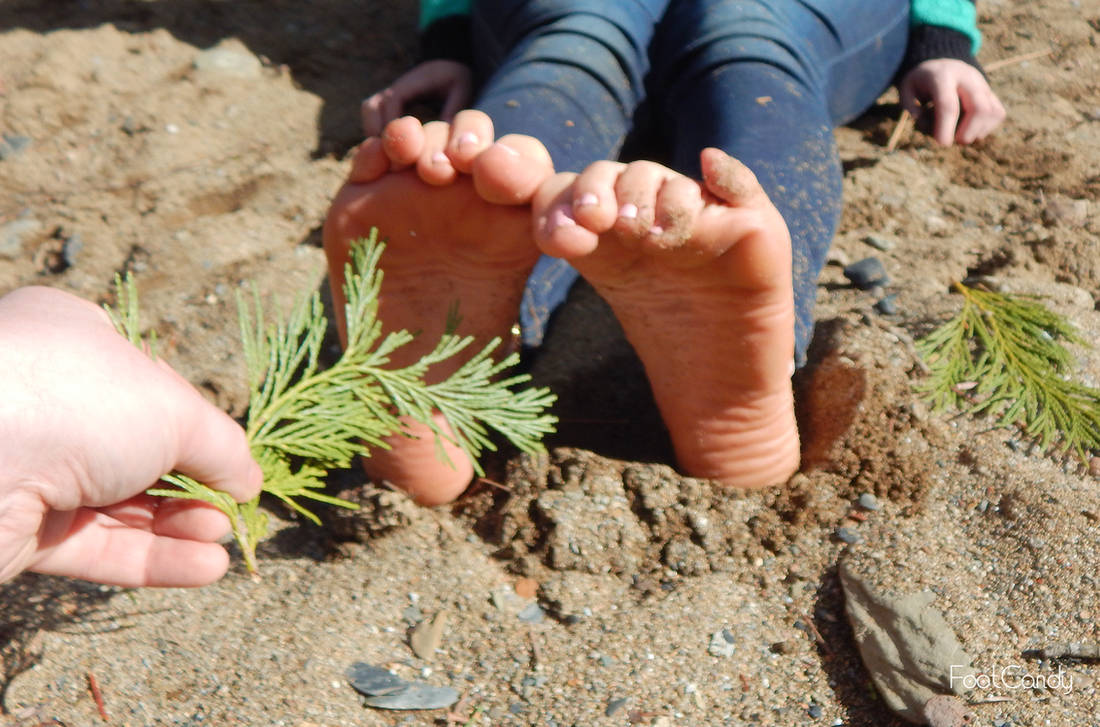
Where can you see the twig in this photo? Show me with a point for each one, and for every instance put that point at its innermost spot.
(901, 128)
(492, 483)
(1012, 60)
(98, 697)
(816, 634)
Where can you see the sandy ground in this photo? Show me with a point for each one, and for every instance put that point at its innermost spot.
(121, 155)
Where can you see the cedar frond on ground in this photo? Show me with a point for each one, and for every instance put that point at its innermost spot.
(304, 420)
(1002, 355)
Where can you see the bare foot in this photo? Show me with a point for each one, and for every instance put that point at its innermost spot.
(451, 205)
(699, 276)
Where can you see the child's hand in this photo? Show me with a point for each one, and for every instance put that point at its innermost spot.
(449, 80)
(87, 423)
(965, 107)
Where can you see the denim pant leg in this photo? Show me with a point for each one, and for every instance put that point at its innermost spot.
(569, 73)
(766, 81)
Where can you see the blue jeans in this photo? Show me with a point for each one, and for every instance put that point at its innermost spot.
(764, 80)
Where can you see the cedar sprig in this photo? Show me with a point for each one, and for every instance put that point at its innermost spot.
(1003, 355)
(305, 420)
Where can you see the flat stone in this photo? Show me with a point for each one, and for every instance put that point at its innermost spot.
(417, 696)
(428, 636)
(906, 644)
(374, 680)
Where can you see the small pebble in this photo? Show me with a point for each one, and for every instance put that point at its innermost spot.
(814, 711)
(14, 234)
(721, 643)
(879, 242)
(12, 145)
(888, 306)
(532, 614)
(527, 588)
(868, 501)
(615, 705)
(1094, 466)
(946, 710)
(71, 249)
(848, 535)
(867, 273)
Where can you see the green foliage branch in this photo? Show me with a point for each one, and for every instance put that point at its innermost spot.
(304, 420)
(1003, 355)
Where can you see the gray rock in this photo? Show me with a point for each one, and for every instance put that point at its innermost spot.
(888, 306)
(721, 644)
(848, 535)
(12, 145)
(867, 273)
(531, 614)
(385, 690)
(71, 248)
(868, 501)
(615, 705)
(879, 242)
(228, 58)
(14, 234)
(906, 644)
(417, 696)
(374, 680)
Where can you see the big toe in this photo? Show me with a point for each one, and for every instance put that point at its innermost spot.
(510, 171)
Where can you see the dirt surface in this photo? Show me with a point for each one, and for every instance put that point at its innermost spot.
(121, 155)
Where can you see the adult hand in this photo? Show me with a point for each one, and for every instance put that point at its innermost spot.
(965, 108)
(87, 423)
(450, 80)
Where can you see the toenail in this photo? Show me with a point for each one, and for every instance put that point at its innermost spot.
(466, 139)
(440, 158)
(508, 149)
(587, 200)
(628, 211)
(656, 230)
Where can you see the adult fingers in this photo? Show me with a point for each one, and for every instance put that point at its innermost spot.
(210, 447)
(171, 517)
(92, 546)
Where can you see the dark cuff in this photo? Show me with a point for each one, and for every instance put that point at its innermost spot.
(933, 41)
(448, 38)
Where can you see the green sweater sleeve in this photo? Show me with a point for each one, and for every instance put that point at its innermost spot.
(433, 10)
(958, 15)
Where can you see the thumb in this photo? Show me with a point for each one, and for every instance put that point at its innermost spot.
(212, 448)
